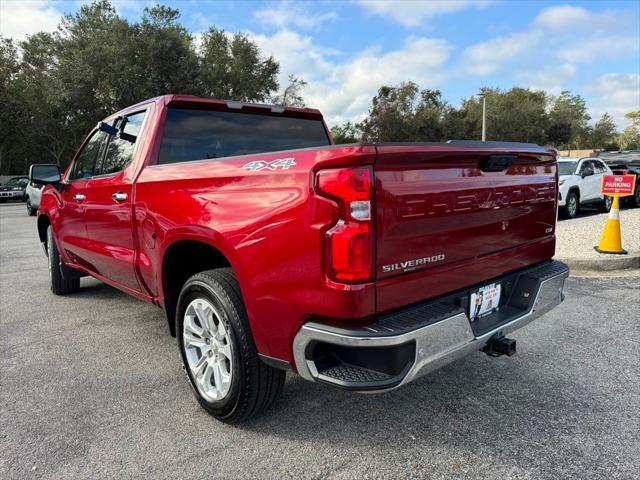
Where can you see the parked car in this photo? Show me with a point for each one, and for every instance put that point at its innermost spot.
(13, 189)
(33, 191)
(625, 162)
(361, 267)
(580, 185)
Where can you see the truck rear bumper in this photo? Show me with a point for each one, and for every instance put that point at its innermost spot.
(400, 347)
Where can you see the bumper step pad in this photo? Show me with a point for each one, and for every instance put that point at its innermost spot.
(352, 374)
(403, 345)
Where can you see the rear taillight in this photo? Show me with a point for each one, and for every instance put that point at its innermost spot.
(349, 243)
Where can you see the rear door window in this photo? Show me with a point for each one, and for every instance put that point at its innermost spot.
(122, 146)
(586, 165)
(201, 134)
(600, 168)
(85, 162)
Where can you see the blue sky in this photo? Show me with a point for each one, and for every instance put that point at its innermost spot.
(346, 49)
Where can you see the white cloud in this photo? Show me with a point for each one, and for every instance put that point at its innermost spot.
(486, 58)
(561, 44)
(560, 35)
(558, 45)
(201, 22)
(343, 88)
(412, 13)
(288, 14)
(297, 54)
(564, 18)
(21, 18)
(549, 79)
(132, 7)
(598, 48)
(616, 94)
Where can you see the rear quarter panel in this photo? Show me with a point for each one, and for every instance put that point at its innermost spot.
(268, 223)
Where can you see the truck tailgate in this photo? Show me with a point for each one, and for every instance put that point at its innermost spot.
(449, 217)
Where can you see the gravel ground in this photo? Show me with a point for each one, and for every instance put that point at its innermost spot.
(578, 236)
(91, 387)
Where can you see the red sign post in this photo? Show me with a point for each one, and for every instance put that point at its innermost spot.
(621, 185)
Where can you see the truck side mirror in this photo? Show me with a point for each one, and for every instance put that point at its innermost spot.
(44, 174)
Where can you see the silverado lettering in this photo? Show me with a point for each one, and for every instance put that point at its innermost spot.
(261, 267)
(411, 264)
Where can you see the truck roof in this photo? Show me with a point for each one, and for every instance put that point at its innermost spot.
(192, 101)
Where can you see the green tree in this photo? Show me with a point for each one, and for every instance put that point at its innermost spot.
(48, 130)
(629, 139)
(559, 132)
(292, 94)
(13, 114)
(232, 67)
(164, 57)
(55, 87)
(406, 113)
(346, 133)
(568, 113)
(602, 134)
(517, 115)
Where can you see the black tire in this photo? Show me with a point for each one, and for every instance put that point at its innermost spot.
(59, 284)
(605, 206)
(30, 210)
(3, 200)
(572, 205)
(254, 385)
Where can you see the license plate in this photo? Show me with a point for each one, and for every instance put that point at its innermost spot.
(484, 301)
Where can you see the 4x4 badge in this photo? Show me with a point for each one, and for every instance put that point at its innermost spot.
(283, 163)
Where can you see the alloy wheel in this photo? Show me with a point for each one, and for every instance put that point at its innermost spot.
(207, 349)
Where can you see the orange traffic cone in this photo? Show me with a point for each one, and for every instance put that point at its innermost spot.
(611, 241)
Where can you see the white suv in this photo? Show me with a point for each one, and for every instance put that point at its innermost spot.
(580, 182)
(33, 192)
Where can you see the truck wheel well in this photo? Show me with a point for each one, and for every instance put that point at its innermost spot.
(182, 260)
(43, 224)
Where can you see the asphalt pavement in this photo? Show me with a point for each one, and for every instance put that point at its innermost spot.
(91, 387)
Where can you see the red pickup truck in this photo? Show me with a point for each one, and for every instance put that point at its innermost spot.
(359, 266)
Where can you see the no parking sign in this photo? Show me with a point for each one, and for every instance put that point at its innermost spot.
(621, 185)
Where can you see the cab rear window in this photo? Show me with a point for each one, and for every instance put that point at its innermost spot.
(204, 134)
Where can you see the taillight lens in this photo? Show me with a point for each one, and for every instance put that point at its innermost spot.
(350, 241)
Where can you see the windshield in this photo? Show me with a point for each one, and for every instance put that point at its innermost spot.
(567, 168)
(17, 182)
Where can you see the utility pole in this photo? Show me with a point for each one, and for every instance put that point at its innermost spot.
(484, 118)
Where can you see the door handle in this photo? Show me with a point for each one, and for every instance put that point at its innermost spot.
(119, 197)
(79, 197)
